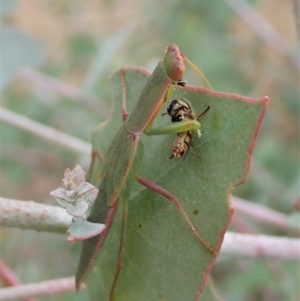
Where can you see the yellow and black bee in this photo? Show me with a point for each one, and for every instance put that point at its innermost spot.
(179, 110)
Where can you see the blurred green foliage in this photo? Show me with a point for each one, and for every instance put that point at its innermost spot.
(81, 43)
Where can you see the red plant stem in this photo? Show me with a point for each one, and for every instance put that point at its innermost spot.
(10, 278)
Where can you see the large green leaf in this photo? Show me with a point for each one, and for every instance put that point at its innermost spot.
(150, 252)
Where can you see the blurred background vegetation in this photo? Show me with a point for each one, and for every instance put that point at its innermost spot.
(80, 43)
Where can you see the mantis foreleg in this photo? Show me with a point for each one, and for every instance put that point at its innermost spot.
(174, 128)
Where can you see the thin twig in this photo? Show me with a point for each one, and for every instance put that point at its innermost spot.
(56, 86)
(264, 215)
(32, 215)
(254, 246)
(45, 132)
(10, 278)
(44, 288)
(239, 223)
(262, 28)
(261, 246)
(273, 266)
(264, 178)
(33, 157)
(296, 9)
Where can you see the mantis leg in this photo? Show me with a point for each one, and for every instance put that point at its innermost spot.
(124, 110)
(102, 213)
(108, 214)
(184, 125)
(174, 128)
(95, 154)
(170, 197)
(121, 250)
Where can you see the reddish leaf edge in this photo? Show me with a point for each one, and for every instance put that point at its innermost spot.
(264, 100)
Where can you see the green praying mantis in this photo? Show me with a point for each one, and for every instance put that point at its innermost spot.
(120, 156)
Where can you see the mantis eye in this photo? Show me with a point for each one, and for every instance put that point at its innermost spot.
(175, 63)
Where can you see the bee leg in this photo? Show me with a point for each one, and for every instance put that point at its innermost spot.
(172, 198)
